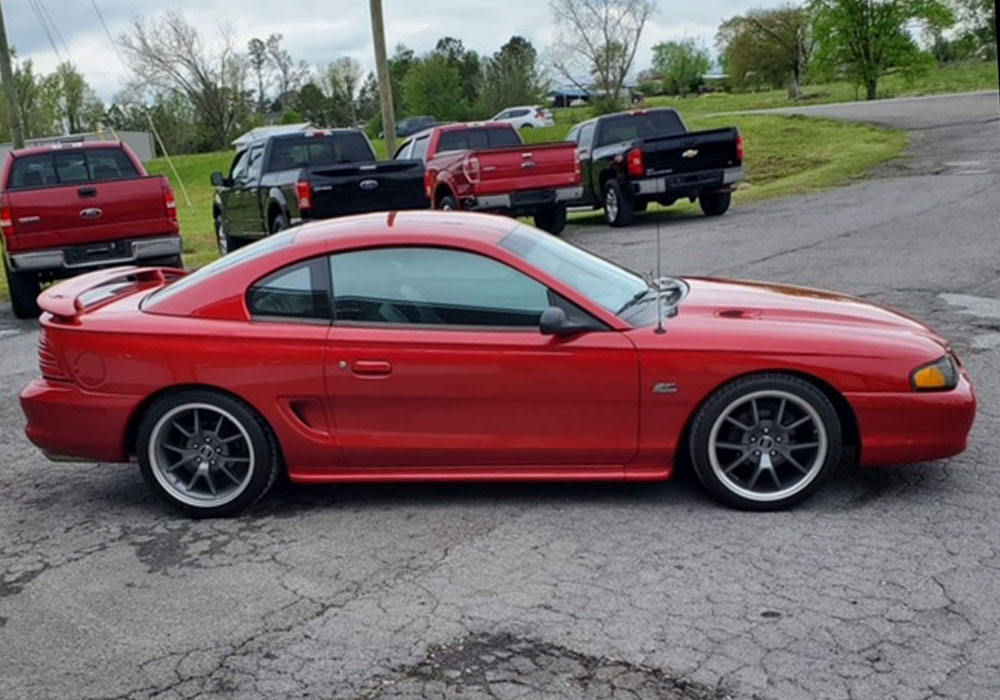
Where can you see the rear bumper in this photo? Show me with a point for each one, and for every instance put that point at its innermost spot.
(138, 250)
(707, 181)
(899, 428)
(505, 201)
(68, 423)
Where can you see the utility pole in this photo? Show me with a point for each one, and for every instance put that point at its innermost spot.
(7, 76)
(384, 79)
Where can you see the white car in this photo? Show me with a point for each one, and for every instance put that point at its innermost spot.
(526, 117)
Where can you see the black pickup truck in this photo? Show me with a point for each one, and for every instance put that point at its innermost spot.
(633, 158)
(287, 179)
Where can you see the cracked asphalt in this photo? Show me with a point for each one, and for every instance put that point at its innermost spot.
(885, 585)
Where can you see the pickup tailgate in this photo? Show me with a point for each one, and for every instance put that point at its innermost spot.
(354, 188)
(692, 152)
(540, 166)
(68, 215)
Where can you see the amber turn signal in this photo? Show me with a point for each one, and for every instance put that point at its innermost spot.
(940, 375)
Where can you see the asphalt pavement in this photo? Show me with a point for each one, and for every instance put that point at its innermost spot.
(885, 585)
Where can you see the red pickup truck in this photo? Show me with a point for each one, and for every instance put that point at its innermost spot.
(70, 208)
(487, 167)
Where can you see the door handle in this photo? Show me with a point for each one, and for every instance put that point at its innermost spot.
(87, 191)
(371, 367)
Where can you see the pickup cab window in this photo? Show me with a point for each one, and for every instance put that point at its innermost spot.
(640, 125)
(239, 168)
(333, 148)
(68, 167)
(466, 139)
(255, 162)
(420, 148)
(586, 136)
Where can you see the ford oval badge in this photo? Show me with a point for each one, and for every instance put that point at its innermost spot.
(369, 184)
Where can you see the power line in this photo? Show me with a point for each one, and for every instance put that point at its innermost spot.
(107, 32)
(55, 29)
(45, 28)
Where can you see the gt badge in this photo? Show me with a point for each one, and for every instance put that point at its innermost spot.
(665, 388)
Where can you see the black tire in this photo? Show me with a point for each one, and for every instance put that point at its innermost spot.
(715, 203)
(280, 223)
(551, 219)
(24, 289)
(253, 444)
(225, 242)
(447, 203)
(747, 430)
(619, 208)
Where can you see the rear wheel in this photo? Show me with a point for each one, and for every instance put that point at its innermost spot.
(24, 289)
(765, 442)
(618, 207)
(280, 223)
(551, 219)
(206, 453)
(715, 203)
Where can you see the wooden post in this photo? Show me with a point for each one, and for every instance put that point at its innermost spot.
(7, 76)
(384, 79)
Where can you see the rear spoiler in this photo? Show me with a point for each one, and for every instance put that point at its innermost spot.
(65, 300)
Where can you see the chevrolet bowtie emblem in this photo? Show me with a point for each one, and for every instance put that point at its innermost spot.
(690, 153)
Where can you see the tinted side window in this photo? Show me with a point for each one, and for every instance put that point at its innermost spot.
(299, 291)
(586, 135)
(518, 112)
(434, 286)
(255, 162)
(239, 168)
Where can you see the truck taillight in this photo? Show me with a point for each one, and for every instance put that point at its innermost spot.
(304, 193)
(637, 163)
(576, 166)
(171, 203)
(740, 148)
(470, 168)
(6, 219)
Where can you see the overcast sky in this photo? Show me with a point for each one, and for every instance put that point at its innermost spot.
(319, 31)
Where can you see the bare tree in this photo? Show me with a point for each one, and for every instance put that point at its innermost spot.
(342, 82)
(598, 38)
(260, 64)
(288, 72)
(168, 56)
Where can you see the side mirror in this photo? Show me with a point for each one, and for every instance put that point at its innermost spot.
(218, 180)
(555, 322)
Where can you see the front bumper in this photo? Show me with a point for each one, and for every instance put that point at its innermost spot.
(68, 423)
(135, 250)
(899, 428)
(506, 201)
(670, 184)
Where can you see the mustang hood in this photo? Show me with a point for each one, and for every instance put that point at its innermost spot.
(800, 306)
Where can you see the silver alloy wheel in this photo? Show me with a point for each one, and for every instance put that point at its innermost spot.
(611, 204)
(223, 240)
(767, 445)
(201, 455)
(446, 205)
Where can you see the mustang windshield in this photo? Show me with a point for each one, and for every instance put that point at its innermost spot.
(601, 281)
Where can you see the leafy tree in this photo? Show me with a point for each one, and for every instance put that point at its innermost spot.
(77, 105)
(368, 98)
(466, 62)
(681, 65)
(312, 105)
(343, 79)
(433, 86)
(37, 99)
(767, 46)
(979, 25)
(402, 60)
(511, 76)
(598, 38)
(866, 38)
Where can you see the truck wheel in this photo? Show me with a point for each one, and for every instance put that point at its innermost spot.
(447, 203)
(24, 290)
(226, 243)
(280, 223)
(618, 207)
(715, 203)
(551, 219)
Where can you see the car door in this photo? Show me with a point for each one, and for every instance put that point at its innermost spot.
(230, 196)
(435, 360)
(250, 204)
(584, 137)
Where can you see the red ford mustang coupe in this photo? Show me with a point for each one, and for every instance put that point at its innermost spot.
(453, 346)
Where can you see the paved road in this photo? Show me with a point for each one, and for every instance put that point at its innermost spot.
(886, 585)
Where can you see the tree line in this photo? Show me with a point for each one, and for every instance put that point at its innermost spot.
(202, 92)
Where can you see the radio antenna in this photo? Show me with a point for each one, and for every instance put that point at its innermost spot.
(659, 275)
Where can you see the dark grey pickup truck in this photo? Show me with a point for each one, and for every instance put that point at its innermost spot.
(633, 158)
(287, 179)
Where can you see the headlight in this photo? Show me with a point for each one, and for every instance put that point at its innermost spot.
(940, 375)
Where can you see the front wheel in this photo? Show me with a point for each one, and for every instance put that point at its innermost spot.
(447, 203)
(619, 209)
(24, 289)
(551, 219)
(715, 203)
(765, 442)
(205, 453)
(225, 242)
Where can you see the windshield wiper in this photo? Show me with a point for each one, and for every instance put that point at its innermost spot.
(636, 298)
